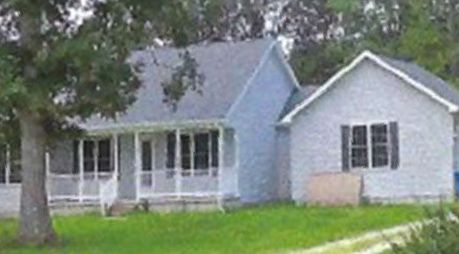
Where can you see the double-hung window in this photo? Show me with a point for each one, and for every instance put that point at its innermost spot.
(370, 145)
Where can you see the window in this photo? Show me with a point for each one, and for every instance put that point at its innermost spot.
(146, 156)
(3, 164)
(379, 145)
(10, 164)
(170, 161)
(370, 145)
(88, 156)
(186, 154)
(199, 152)
(104, 156)
(359, 147)
(214, 149)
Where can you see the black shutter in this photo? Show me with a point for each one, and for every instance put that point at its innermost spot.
(345, 135)
(394, 143)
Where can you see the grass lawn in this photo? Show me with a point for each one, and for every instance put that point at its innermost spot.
(268, 229)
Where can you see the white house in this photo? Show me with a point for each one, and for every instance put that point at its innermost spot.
(254, 135)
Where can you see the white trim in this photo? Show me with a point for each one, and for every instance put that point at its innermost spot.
(81, 169)
(368, 55)
(121, 128)
(221, 165)
(178, 163)
(137, 164)
(116, 157)
(368, 125)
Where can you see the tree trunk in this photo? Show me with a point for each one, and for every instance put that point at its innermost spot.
(35, 221)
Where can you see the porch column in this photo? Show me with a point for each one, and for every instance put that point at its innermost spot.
(178, 164)
(116, 158)
(81, 169)
(221, 165)
(8, 165)
(115, 154)
(137, 165)
(95, 156)
(47, 161)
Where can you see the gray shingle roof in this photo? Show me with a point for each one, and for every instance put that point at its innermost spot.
(227, 68)
(429, 80)
(297, 96)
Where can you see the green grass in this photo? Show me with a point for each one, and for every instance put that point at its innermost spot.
(268, 229)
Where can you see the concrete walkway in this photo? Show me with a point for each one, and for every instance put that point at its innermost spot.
(375, 240)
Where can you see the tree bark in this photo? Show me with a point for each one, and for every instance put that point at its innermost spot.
(35, 221)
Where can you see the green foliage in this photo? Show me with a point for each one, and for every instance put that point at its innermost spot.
(423, 31)
(438, 235)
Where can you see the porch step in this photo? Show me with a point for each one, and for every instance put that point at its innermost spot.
(122, 207)
(186, 204)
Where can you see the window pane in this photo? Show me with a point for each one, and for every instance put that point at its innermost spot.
(104, 156)
(76, 160)
(359, 157)
(201, 155)
(359, 135)
(146, 156)
(170, 162)
(3, 149)
(379, 134)
(186, 152)
(88, 152)
(15, 174)
(214, 146)
(380, 156)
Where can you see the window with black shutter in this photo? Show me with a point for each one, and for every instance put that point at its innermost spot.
(370, 146)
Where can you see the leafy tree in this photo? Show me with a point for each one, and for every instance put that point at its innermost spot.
(58, 66)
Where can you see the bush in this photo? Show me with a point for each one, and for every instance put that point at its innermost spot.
(438, 235)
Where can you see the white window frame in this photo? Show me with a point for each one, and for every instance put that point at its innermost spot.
(368, 126)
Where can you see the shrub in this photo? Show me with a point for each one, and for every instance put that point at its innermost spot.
(437, 235)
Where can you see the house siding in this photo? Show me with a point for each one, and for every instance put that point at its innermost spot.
(254, 120)
(372, 94)
(283, 163)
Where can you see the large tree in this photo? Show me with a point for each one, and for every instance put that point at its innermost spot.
(66, 60)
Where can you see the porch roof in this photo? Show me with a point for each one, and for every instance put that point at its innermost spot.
(227, 68)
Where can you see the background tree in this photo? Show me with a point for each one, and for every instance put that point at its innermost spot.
(66, 60)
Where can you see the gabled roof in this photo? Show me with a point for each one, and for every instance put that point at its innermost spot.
(227, 67)
(296, 97)
(412, 74)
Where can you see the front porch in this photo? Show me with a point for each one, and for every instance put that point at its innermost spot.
(150, 165)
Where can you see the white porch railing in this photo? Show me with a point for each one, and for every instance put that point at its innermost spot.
(108, 194)
(181, 183)
(74, 187)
